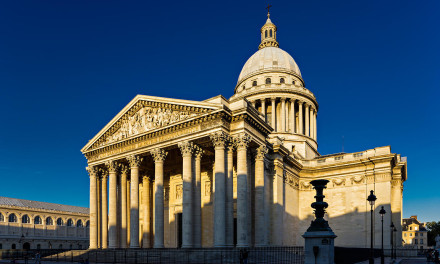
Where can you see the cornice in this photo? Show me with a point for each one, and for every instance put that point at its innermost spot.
(11, 207)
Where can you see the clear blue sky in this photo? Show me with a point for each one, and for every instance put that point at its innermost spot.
(67, 67)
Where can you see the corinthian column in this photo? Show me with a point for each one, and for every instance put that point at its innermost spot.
(307, 122)
(104, 210)
(316, 125)
(187, 149)
(93, 208)
(219, 140)
(242, 142)
(260, 223)
(135, 162)
(292, 115)
(300, 117)
(312, 123)
(123, 232)
(283, 115)
(263, 108)
(198, 200)
(274, 111)
(230, 195)
(159, 156)
(146, 210)
(112, 232)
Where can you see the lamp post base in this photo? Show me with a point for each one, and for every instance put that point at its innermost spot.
(319, 247)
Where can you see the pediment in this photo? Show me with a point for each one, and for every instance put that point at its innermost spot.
(145, 114)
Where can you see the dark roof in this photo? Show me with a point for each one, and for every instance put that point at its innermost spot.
(410, 221)
(42, 205)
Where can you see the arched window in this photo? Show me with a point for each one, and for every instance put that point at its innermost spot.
(293, 82)
(13, 246)
(270, 33)
(38, 246)
(12, 218)
(1, 246)
(268, 81)
(49, 221)
(70, 222)
(79, 223)
(25, 219)
(59, 222)
(2, 218)
(38, 220)
(254, 83)
(60, 246)
(265, 34)
(87, 223)
(71, 247)
(282, 80)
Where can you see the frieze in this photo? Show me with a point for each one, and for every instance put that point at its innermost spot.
(305, 185)
(357, 179)
(338, 182)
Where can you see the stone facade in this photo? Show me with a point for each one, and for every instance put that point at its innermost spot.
(233, 172)
(28, 224)
(414, 233)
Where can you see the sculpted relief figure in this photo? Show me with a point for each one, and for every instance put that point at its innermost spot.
(147, 118)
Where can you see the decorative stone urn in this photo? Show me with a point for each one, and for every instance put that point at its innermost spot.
(319, 238)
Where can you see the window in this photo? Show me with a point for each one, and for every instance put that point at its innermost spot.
(88, 223)
(410, 234)
(49, 221)
(79, 223)
(2, 218)
(71, 247)
(25, 219)
(404, 234)
(13, 246)
(70, 222)
(254, 83)
(415, 228)
(421, 234)
(282, 80)
(415, 241)
(293, 82)
(60, 246)
(38, 246)
(1, 246)
(268, 81)
(416, 234)
(410, 228)
(38, 220)
(265, 34)
(270, 33)
(12, 218)
(59, 222)
(421, 241)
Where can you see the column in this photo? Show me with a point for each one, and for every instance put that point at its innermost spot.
(198, 198)
(112, 232)
(159, 156)
(274, 126)
(187, 149)
(230, 195)
(312, 124)
(104, 211)
(260, 223)
(135, 162)
(219, 141)
(316, 125)
(300, 117)
(146, 211)
(242, 142)
(99, 227)
(123, 232)
(307, 120)
(283, 115)
(93, 208)
(263, 109)
(292, 115)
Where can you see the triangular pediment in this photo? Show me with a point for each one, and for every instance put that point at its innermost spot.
(145, 114)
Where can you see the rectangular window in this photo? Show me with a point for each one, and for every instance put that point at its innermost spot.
(404, 234)
(410, 234)
(416, 234)
(421, 234)
(415, 241)
(421, 241)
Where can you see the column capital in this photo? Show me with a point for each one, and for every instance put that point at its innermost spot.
(273, 99)
(92, 170)
(242, 140)
(145, 178)
(134, 160)
(261, 152)
(283, 99)
(159, 154)
(124, 168)
(300, 102)
(112, 166)
(219, 139)
(186, 148)
(198, 152)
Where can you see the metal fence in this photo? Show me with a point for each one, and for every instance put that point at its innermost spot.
(281, 255)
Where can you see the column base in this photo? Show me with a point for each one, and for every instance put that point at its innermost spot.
(187, 246)
(159, 246)
(135, 247)
(242, 245)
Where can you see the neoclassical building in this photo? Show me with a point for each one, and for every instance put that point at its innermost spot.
(26, 224)
(233, 172)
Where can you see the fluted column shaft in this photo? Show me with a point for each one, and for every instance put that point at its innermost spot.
(274, 111)
(112, 232)
(134, 200)
(146, 212)
(219, 141)
(307, 120)
(316, 126)
(312, 123)
(230, 196)
(260, 223)
(104, 211)
(159, 158)
(283, 115)
(242, 191)
(300, 117)
(123, 232)
(187, 149)
(263, 108)
(198, 199)
(93, 209)
(292, 116)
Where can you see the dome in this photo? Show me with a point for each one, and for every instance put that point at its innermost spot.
(269, 59)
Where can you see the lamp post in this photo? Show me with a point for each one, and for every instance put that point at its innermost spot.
(371, 199)
(382, 212)
(392, 242)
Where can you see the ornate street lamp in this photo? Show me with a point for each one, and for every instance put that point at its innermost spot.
(371, 199)
(382, 212)
(392, 237)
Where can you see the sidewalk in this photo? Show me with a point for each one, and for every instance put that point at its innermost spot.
(377, 261)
